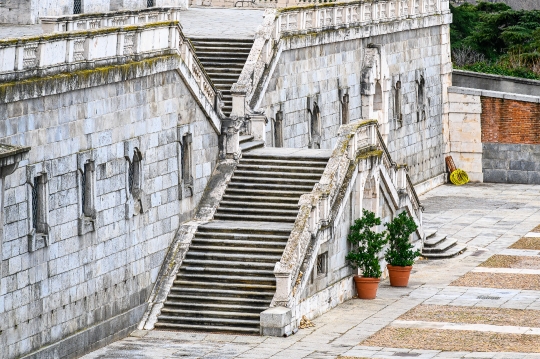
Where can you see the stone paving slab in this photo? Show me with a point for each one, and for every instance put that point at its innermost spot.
(340, 331)
(221, 23)
(9, 31)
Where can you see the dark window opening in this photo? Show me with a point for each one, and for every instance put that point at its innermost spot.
(39, 205)
(187, 174)
(421, 111)
(322, 263)
(278, 130)
(150, 3)
(345, 109)
(397, 102)
(77, 6)
(378, 100)
(87, 190)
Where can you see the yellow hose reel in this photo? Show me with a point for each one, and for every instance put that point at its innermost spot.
(457, 176)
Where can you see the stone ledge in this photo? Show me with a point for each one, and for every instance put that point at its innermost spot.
(92, 338)
(493, 94)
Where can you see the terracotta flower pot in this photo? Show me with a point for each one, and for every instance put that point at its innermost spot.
(399, 276)
(366, 287)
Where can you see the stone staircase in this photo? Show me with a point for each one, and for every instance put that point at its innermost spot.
(438, 246)
(226, 279)
(223, 61)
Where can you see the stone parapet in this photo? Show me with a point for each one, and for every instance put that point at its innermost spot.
(110, 19)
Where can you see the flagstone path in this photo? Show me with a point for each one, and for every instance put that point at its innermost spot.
(489, 218)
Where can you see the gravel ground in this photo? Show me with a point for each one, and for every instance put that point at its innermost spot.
(537, 229)
(474, 315)
(454, 340)
(499, 280)
(527, 243)
(521, 262)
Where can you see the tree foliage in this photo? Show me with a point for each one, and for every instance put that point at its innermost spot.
(508, 39)
(401, 251)
(367, 244)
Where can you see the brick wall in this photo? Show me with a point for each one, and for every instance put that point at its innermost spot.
(510, 121)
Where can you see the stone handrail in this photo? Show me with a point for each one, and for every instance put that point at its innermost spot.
(259, 56)
(109, 19)
(48, 55)
(336, 15)
(315, 207)
(318, 209)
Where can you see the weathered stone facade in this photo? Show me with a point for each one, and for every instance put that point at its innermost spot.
(81, 277)
(322, 69)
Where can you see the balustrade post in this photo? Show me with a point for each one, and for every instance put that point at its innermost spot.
(283, 284)
(324, 209)
(353, 146)
(401, 178)
(258, 127)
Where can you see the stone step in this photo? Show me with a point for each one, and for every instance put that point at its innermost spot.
(211, 283)
(434, 240)
(247, 271)
(223, 59)
(452, 252)
(443, 246)
(258, 211)
(260, 294)
(209, 300)
(274, 179)
(207, 328)
(245, 138)
(262, 192)
(297, 175)
(232, 257)
(274, 186)
(208, 320)
(219, 65)
(251, 218)
(217, 306)
(210, 313)
(430, 232)
(229, 278)
(258, 205)
(282, 163)
(245, 237)
(239, 231)
(223, 51)
(225, 76)
(197, 41)
(246, 146)
(260, 199)
(218, 72)
(280, 169)
(207, 263)
(230, 247)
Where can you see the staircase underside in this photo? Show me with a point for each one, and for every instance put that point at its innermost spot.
(226, 279)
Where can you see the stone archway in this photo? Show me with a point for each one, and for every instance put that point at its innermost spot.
(370, 195)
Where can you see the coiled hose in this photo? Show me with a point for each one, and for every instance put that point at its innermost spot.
(459, 177)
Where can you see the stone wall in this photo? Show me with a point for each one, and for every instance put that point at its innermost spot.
(87, 281)
(321, 68)
(489, 82)
(494, 136)
(465, 131)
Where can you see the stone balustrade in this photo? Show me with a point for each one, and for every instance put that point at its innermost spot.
(318, 209)
(336, 15)
(49, 55)
(109, 19)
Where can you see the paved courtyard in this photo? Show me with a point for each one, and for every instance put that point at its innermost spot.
(449, 320)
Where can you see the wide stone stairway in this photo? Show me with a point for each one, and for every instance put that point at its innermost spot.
(223, 61)
(226, 279)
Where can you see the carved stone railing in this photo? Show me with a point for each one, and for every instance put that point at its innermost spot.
(109, 19)
(49, 55)
(319, 209)
(337, 15)
(314, 208)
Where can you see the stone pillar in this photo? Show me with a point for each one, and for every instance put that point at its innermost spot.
(276, 322)
(258, 127)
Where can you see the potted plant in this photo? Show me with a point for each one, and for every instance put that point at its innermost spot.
(366, 246)
(400, 255)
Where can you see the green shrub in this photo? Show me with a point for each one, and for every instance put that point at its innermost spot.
(401, 251)
(367, 244)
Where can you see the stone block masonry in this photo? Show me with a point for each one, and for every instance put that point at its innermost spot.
(100, 277)
(321, 68)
